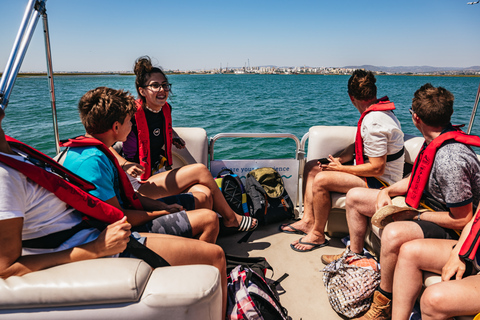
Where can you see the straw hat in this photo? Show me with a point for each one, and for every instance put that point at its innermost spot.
(385, 215)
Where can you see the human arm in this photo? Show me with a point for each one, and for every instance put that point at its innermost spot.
(131, 168)
(385, 195)
(374, 168)
(111, 241)
(154, 209)
(455, 265)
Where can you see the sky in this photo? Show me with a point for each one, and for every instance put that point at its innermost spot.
(108, 35)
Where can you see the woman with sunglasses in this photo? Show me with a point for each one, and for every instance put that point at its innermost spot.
(148, 153)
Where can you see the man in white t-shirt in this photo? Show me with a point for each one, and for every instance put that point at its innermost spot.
(379, 160)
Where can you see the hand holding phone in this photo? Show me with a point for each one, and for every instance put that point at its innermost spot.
(323, 161)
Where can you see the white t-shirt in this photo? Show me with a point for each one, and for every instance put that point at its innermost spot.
(382, 134)
(42, 211)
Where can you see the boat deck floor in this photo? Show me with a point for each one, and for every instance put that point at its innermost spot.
(304, 295)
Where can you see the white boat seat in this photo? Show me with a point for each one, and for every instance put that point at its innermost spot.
(197, 147)
(113, 288)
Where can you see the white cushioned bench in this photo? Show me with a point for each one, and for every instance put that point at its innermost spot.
(113, 288)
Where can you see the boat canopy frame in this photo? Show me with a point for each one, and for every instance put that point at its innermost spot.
(33, 11)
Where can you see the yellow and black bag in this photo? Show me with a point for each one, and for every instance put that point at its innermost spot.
(267, 198)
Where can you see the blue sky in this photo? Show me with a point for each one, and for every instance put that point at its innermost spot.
(108, 35)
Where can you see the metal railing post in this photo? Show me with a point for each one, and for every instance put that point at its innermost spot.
(51, 85)
(474, 111)
(24, 35)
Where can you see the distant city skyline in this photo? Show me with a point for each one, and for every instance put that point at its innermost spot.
(109, 35)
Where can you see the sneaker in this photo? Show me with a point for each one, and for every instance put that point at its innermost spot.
(328, 258)
(380, 309)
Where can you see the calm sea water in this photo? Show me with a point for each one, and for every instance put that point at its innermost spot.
(230, 103)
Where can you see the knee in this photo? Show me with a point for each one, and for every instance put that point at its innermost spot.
(200, 169)
(204, 198)
(218, 258)
(433, 301)
(392, 237)
(353, 197)
(410, 253)
(211, 218)
(320, 181)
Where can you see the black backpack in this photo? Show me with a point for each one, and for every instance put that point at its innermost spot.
(249, 296)
(268, 200)
(233, 190)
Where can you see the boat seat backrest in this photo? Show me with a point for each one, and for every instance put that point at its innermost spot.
(196, 150)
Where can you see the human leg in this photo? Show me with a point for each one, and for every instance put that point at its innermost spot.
(447, 299)
(204, 224)
(415, 257)
(182, 251)
(324, 183)
(359, 205)
(306, 223)
(202, 195)
(182, 179)
(200, 223)
(393, 237)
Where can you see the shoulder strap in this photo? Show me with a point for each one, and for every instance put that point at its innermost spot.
(127, 191)
(383, 104)
(424, 162)
(66, 191)
(143, 140)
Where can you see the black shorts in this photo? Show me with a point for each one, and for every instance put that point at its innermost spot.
(375, 183)
(434, 231)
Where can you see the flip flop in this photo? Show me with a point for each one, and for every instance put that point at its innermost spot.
(247, 224)
(314, 245)
(295, 230)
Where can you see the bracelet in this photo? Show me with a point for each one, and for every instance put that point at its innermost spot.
(418, 217)
(124, 163)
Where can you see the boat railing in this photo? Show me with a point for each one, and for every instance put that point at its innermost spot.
(33, 11)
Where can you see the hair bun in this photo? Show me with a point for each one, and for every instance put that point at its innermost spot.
(142, 65)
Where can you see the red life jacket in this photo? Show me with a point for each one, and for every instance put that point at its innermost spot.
(144, 137)
(383, 104)
(470, 246)
(66, 185)
(424, 162)
(126, 190)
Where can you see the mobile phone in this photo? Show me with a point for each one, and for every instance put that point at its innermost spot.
(178, 141)
(323, 161)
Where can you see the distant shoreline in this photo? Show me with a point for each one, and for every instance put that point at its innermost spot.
(60, 74)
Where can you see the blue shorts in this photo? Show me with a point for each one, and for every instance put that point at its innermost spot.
(186, 200)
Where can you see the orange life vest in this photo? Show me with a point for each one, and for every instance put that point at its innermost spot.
(126, 190)
(66, 185)
(144, 137)
(383, 104)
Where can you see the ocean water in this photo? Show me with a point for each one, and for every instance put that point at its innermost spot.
(230, 103)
